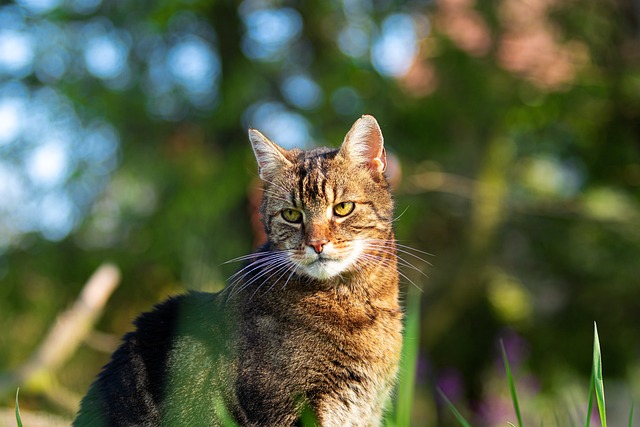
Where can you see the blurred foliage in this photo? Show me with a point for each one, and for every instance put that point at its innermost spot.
(516, 122)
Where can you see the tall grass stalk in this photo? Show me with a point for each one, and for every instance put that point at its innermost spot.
(598, 383)
(512, 387)
(463, 422)
(590, 404)
(406, 386)
(18, 419)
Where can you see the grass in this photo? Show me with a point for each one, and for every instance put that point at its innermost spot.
(597, 382)
(596, 389)
(18, 419)
(463, 422)
(512, 387)
(400, 416)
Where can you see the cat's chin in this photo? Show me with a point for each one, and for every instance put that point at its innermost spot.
(329, 264)
(325, 269)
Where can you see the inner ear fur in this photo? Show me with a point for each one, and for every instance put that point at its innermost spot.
(271, 158)
(364, 144)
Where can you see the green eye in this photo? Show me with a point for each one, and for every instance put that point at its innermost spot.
(344, 208)
(292, 215)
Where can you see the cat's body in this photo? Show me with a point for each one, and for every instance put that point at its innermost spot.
(311, 321)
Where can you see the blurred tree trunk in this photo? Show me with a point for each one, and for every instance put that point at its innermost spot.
(487, 215)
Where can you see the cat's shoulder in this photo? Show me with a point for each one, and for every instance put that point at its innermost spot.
(177, 313)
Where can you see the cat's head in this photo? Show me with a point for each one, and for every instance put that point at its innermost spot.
(327, 211)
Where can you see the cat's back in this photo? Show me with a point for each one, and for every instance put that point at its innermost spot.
(177, 339)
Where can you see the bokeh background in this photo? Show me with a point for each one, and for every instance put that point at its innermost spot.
(516, 124)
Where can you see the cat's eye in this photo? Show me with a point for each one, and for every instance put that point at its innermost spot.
(344, 208)
(292, 215)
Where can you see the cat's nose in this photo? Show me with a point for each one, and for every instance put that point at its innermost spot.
(318, 245)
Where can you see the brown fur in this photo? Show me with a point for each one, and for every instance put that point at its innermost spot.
(293, 329)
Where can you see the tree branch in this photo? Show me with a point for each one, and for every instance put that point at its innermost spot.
(69, 330)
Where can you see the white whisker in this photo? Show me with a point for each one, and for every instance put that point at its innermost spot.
(276, 185)
(398, 248)
(262, 261)
(399, 216)
(254, 255)
(401, 261)
(284, 286)
(397, 243)
(374, 260)
(263, 273)
(413, 249)
(284, 268)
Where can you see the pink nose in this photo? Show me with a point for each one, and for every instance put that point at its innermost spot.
(318, 245)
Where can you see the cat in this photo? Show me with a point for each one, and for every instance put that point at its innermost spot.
(310, 323)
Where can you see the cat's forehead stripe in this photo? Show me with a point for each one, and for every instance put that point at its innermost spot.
(312, 179)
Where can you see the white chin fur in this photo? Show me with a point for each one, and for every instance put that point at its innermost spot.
(328, 264)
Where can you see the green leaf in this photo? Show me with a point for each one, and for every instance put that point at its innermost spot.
(512, 387)
(456, 413)
(631, 415)
(18, 419)
(598, 383)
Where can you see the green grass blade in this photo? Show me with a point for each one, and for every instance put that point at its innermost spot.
(308, 418)
(406, 386)
(631, 415)
(18, 419)
(512, 387)
(225, 418)
(454, 410)
(590, 405)
(598, 383)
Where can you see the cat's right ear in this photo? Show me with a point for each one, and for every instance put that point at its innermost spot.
(270, 157)
(364, 144)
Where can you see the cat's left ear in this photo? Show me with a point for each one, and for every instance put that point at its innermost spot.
(271, 158)
(364, 144)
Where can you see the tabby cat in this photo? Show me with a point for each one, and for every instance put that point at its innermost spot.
(310, 325)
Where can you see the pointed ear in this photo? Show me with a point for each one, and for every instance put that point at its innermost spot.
(364, 144)
(271, 158)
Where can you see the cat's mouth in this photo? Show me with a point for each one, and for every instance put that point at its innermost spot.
(321, 261)
(324, 266)
(324, 260)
